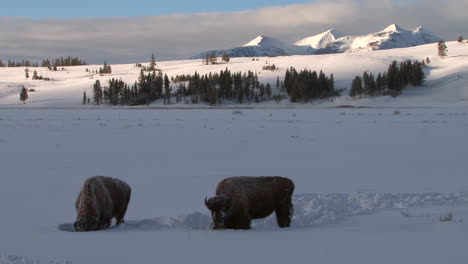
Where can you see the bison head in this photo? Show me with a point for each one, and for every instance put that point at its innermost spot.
(219, 206)
(86, 224)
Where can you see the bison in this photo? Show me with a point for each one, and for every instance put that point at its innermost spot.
(238, 200)
(100, 200)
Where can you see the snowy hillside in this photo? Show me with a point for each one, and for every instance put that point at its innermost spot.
(390, 38)
(319, 41)
(446, 83)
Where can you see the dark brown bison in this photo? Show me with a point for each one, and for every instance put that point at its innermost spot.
(100, 200)
(238, 200)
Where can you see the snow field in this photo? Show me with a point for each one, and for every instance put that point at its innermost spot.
(355, 171)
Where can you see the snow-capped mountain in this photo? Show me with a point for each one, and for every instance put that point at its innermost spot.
(262, 46)
(329, 41)
(391, 37)
(319, 41)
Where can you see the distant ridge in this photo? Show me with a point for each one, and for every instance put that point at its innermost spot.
(393, 36)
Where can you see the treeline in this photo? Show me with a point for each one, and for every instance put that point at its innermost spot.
(212, 58)
(215, 88)
(21, 63)
(306, 85)
(224, 86)
(63, 62)
(150, 87)
(392, 82)
(51, 64)
(209, 88)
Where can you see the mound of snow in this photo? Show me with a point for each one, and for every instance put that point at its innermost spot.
(314, 209)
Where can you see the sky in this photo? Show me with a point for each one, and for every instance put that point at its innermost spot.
(180, 30)
(125, 8)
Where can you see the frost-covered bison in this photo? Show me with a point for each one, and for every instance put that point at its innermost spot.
(238, 200)
(100, 200)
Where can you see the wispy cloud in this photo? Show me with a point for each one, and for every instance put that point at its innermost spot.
(180, 36)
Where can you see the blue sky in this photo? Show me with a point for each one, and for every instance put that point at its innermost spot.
(129, 31)
(119, 8)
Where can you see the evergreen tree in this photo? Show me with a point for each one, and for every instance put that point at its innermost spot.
(207, 59)
(24, 95)
(428, 60)
(356, 87)
(380, 84)
(98, 93)
(394, 84)
(268, 91)
(213, 57)
(226, 58)
(460, 39)
(442, 49)
(1, 63)
(35, 76)
(167, 90)
(152, 66)
(106, 69)
(84, 97)
(26, 73)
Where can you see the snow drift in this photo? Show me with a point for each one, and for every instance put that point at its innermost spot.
(311, 210)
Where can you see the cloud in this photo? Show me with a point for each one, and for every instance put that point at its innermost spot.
(179, 36)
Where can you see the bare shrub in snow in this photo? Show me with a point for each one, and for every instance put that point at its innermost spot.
(447, 218)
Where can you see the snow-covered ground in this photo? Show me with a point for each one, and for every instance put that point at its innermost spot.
(446, 84)
(371, 184)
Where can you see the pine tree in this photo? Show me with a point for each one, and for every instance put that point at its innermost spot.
(213, 57)
(394, 84)
(26, 73)
(152, 63)
(460, 39)
(428, 60)
(167, 90)
(226, 58)
(442, 49)
(24, 95)
(106, 69)
(84, 98)
(98, 93)
(35, 76)
(356, 87)
(207, 59)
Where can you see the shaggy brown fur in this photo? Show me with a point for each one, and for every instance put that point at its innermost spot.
(100, 200)
(238, 200)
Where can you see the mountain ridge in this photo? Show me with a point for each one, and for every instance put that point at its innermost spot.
(393, 36)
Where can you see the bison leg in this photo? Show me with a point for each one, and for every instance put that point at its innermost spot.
(120, 217)
(284, 213)
(105, 223)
